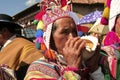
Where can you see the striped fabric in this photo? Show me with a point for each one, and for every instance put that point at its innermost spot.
(43, 69)
(7, 73)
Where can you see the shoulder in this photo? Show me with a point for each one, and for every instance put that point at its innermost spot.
(41, 62)
(44, 66)
(21, 39)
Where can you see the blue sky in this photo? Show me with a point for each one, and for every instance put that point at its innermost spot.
(12, 7)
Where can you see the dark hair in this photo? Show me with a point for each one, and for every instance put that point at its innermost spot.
(118, 15)
(52, 42)
(14, 30)
(54, 27)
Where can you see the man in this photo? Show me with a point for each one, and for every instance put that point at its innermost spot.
(16, 52)
(63, 59)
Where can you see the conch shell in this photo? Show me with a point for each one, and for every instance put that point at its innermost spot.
(90, 46)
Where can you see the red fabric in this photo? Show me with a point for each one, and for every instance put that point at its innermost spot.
(42, 79)
(111, 38)
(63, 2)
(108, 3)
(69, 69)
(113, 67)
(39, 15)
(83, 28)
(104, 21)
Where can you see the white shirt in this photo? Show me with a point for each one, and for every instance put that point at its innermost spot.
(97, 75)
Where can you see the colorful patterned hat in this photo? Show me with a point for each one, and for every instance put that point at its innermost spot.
(54, 10)
(53, 13)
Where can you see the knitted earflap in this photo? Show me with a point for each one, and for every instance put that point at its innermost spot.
(39, 36)
(50, 54)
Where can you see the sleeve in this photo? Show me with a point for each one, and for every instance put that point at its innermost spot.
(71, 75)
(29, 54)
(43, 72)
(37, 75)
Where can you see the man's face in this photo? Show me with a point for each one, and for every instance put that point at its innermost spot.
(3, 36)
(66, 29)
(1, 39)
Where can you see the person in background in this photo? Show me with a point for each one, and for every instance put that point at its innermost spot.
(117, 25)
(16, 52)
(111, 45)
(63, 58)
(113, 37)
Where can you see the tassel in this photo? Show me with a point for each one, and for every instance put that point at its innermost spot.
(38, 45)
(43, 47)
(50, 54)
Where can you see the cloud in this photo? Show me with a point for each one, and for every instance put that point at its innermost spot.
(30, 2)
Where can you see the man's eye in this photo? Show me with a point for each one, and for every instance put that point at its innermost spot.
(74, 31)
(66, 32)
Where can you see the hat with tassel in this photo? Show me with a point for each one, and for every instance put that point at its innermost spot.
(53, 11)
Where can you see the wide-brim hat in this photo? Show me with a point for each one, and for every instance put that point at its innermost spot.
(6, 20)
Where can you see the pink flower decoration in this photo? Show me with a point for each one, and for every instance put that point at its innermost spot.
(108, 3)
(104, 21)
(39, 39)
(111, 38)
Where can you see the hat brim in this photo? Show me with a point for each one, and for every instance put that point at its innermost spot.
(10, 24)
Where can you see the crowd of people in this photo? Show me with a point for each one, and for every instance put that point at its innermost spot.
(66, 56)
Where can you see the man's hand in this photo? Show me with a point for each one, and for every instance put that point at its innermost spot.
(72, 52)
